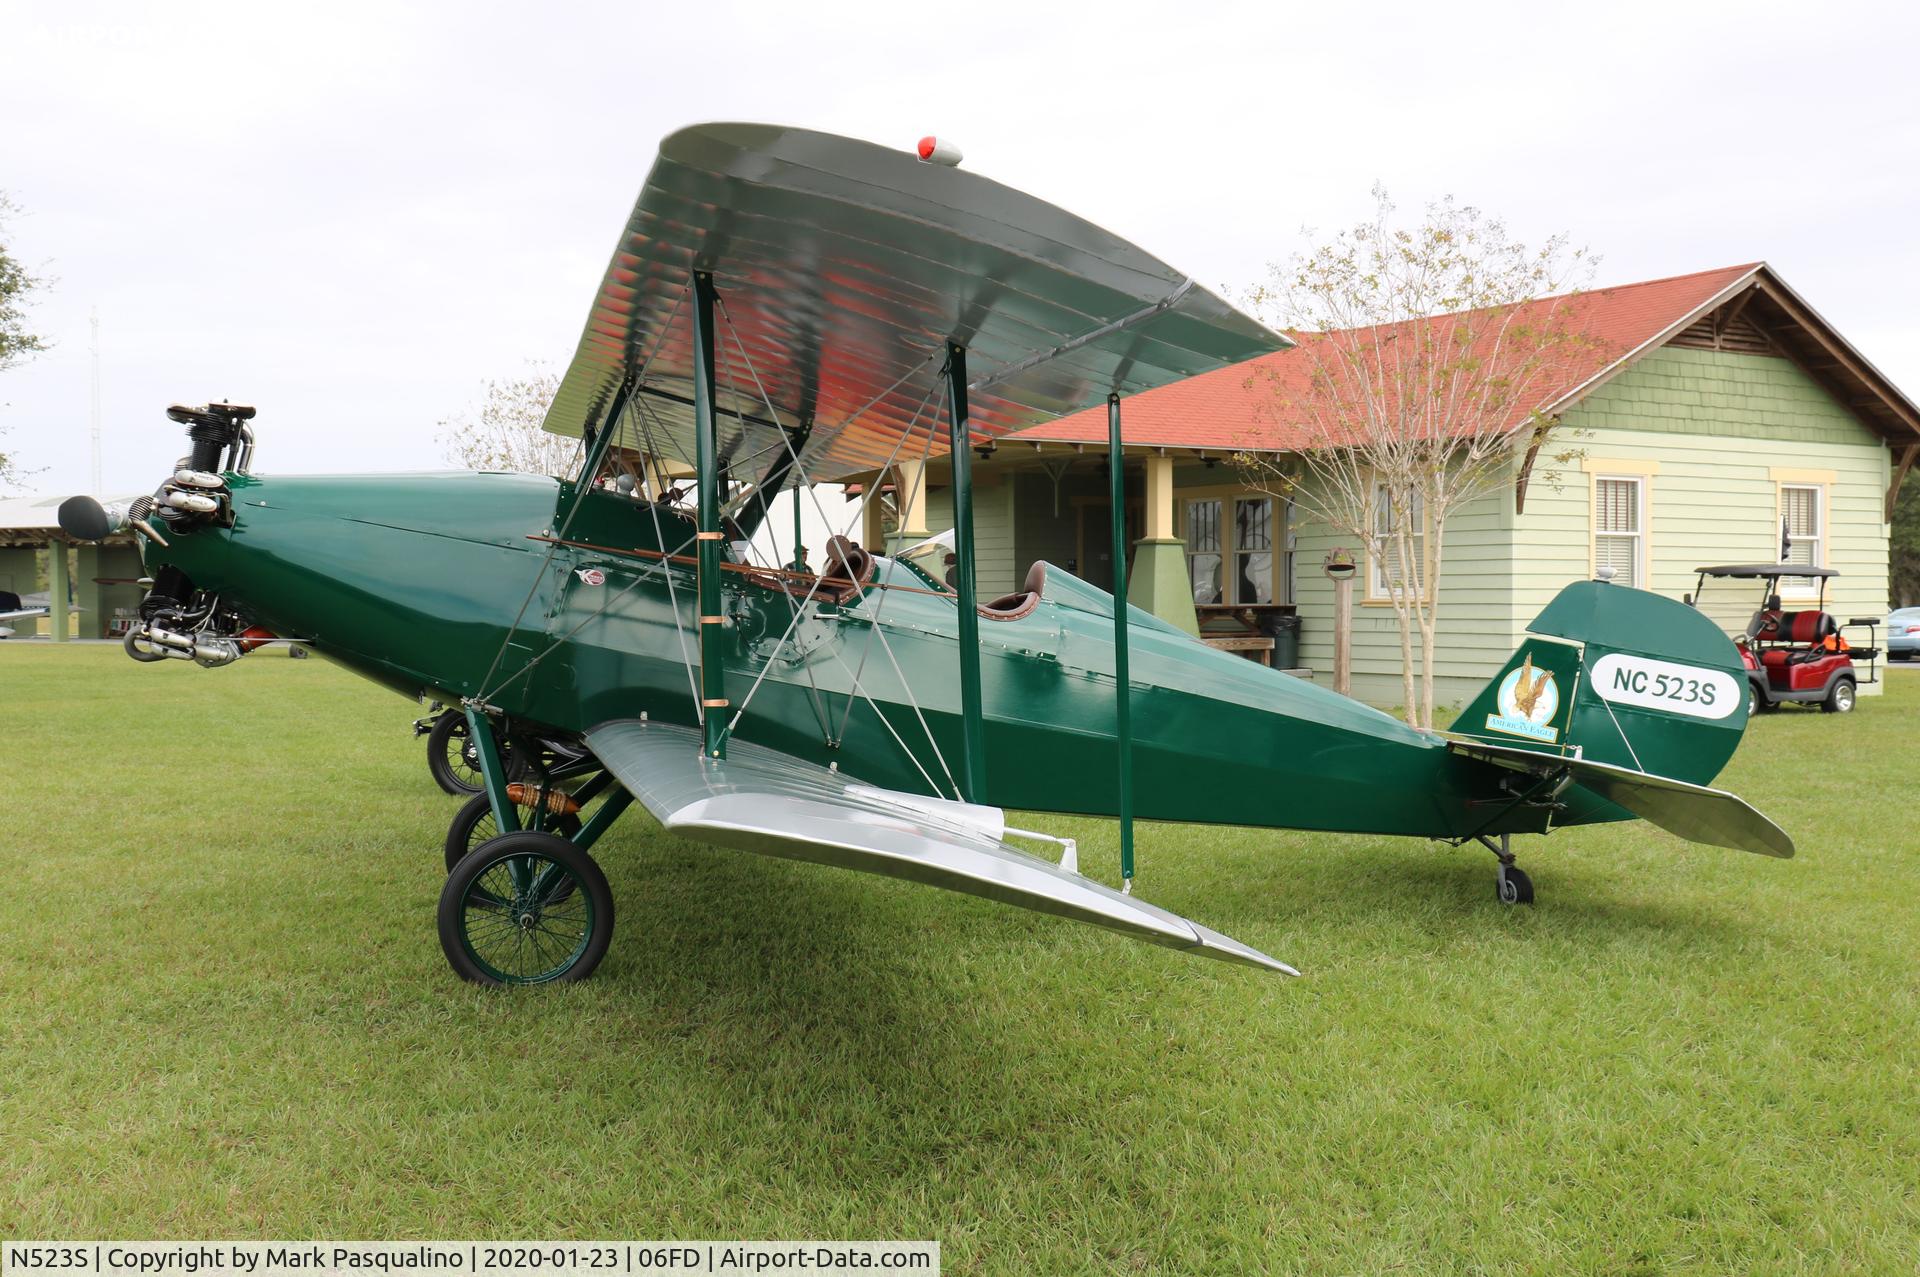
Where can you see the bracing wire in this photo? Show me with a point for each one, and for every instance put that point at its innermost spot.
(586, 480)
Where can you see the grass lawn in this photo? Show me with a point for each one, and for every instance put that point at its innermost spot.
(223, 1012)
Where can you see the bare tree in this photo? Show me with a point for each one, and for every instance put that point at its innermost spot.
(503, 431)
(1427, 356)
(16, 341)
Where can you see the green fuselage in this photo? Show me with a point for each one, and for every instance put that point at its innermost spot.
(417, 581)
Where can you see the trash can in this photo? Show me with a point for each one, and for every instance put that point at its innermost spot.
(1284, 629)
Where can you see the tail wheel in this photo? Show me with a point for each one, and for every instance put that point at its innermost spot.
(1840, 699)
(1513, 887)
(525, 908)
(474, 824)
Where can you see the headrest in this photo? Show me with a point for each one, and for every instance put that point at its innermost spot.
(847, 561)
(1036, 582)
(1807, 627)
(1773, 602)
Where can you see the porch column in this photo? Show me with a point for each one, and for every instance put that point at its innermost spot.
(1159, 582)
(89, 567)
(910, 497)
(58, 618)
(873, 515)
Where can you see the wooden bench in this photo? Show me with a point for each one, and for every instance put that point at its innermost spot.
(1255, 647)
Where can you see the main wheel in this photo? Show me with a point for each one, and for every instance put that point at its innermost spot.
(474, 824)
(1513, 886)
(1840, 699)
(525, 908)
(451, 755)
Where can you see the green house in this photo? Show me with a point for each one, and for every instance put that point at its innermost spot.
(1726, 411)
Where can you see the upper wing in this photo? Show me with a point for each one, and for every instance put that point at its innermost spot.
(844, 269)
(764, 801)
(1695, 812)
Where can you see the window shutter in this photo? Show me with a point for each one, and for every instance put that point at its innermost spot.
(1616, 505)
(1801, 506)
(1620, 554)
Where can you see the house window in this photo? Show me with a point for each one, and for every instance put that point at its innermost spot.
(1619, 529)
(1386, 567)
(1233, 549)
(1253, 550)
(1203, 550)
(1802, 528)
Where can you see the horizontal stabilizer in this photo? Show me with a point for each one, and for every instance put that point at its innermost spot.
(1694, 812)
(764, 801)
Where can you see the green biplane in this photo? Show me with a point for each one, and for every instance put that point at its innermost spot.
(786, 308)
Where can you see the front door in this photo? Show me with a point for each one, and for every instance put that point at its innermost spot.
(1096, 541)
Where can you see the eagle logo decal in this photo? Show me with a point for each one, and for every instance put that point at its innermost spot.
(1526, 702)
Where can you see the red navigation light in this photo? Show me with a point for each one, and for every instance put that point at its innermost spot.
(934, 151)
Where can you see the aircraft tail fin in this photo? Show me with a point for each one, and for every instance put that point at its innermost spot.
(1618, 676)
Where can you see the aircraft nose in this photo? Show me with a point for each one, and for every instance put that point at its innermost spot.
(86, 519)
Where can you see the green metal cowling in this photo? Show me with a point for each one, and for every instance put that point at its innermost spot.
(411, 580)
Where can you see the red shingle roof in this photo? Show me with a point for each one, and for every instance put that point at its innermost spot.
(1235, 407)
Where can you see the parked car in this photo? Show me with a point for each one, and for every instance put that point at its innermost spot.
(1903, 634)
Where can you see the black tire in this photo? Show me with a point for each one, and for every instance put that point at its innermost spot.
(1513, 887)
(1840, 697)
(473, 824)
(495, 929)
(453, 768)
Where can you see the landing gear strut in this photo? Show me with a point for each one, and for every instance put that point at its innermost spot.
(523, 902)
(1511, 884)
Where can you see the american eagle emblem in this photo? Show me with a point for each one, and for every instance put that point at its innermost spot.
(1527, 688)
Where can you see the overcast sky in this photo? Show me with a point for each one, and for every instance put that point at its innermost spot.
(351, 215)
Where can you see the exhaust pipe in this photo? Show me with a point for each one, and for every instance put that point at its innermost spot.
(208, 651)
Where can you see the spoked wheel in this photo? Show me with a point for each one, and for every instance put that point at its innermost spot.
(474, 824)
(452, 757)
(525, 908)
(1513, 886)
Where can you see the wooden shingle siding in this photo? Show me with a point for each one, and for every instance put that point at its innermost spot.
(1722, 393)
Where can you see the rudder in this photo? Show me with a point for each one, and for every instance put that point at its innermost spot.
(1629, 677)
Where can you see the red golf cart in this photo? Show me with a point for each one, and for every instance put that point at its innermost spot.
(1803, 656)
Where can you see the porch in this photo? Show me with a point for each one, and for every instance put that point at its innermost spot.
(1205, 551)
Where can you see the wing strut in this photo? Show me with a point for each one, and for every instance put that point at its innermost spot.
(973, 755)
(1122, 677)
(713, 670)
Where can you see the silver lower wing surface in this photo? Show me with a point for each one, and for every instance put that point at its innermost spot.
(761, 800)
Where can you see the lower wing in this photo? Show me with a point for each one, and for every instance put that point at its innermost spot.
(764, 801)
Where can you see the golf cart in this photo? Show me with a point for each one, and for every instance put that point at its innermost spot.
(1799, 656)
